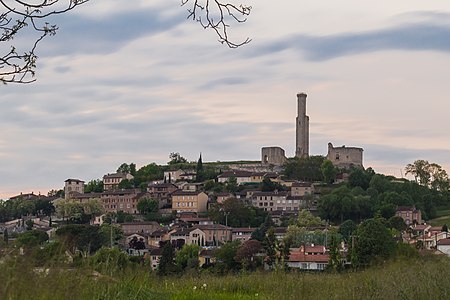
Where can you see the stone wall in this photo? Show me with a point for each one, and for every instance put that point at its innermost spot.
(272, 156)
(345, 157)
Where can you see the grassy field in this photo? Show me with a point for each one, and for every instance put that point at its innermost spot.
(440, 221)
(419, 279)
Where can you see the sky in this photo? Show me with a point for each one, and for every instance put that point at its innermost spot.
(133, 84)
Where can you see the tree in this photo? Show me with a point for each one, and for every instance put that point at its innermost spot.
(346, 229)
(335, 261)
(5, 236)
(137, 244)
(147, 205)
(225, 256)
(31, 238)
(246, 254)
(187, 257)
(176, 158)
(231, 185)
(18, 64)
(270, 246)
(86, 238)
(397, 223)
(374, 241)
(199, 170)
(167, 264)
(306, 219)
(304, 168)
(329, 171)
(94, 186)
(428, 174)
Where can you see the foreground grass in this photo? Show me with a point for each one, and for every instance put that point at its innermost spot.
(419, 279)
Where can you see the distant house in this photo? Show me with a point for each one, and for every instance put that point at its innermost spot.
(121, 200)
(409, 214)
(173, 176)
(162, 192)
(187, 201)
(111, 181)
(155, 255)
(312, 258)
(73, 186)
(444, 246)
(221, 197)
(215, 234)
(302, 188)
(139, 227)
(206, 257)
(242, 234)
(242, 177)
(187, 236)
(276, 200)
(28, 196)
(157, 237)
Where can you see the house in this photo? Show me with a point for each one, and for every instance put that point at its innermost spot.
(409, 214)
(187, 236)
(276, 200)
(242, 234)
(121, 200)
(162, 192)
(312, 258)
(84, 198)
(242, 177)
(215, 234)
(173, 176)
(444, 246)
(111, 181)
(188, 201)
(157, 237)
(155, 256)
(221, 197)
(301, 189)
(29, 196)
(188, 176)
(138, 236)
(73, 186)
(206, 257)
(139, 227)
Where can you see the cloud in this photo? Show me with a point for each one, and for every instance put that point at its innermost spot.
(411, 37)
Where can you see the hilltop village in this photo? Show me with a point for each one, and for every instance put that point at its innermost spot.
(308, 212)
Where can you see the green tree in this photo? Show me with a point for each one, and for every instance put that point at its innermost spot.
(31, 238)
(86, 238)
(176, 158)
(246, 254)
(231, 185)
(374, 241)
(6, 236)
(225, 257)
(110, 261)
(346, 229)
(187, 257)
(126, 184)
(307, 219)
(335, 261)
(94, 186)
(397, 223)
(260, 233)
(360, 177)
(304, 168)
(199, 170)
(329, 171)
(270, 246)
(147, 205)
(167, 264)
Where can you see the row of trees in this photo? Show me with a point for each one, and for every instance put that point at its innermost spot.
(10, 210)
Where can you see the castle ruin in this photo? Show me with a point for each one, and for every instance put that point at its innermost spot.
(342, 157)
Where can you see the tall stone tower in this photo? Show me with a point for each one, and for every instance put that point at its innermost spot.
(302, 128)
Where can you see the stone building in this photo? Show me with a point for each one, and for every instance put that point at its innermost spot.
(72, 187)
(111, 181)
(121, 200)
(302, 128)
(273, 156)
(345, 157)
(187, 201)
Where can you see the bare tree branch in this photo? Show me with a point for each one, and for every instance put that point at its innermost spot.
(18, 66)
(217, 16)
(19, 18)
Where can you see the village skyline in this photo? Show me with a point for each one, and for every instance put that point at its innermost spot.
(133, 85)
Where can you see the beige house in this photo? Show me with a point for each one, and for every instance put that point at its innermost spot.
(215, 234)
(188, 236)
(188, 201)
(242, 177)
(162, 192)
(172, 176)
(111, 181)
(139, 227)
(277, 201)
(409, 214)
(121, 200)
(302, 189)
(72, 187)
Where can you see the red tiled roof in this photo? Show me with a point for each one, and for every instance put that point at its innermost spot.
(445, 242)
(301, 257)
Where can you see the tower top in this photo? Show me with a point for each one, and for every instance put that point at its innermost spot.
(301, 95)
